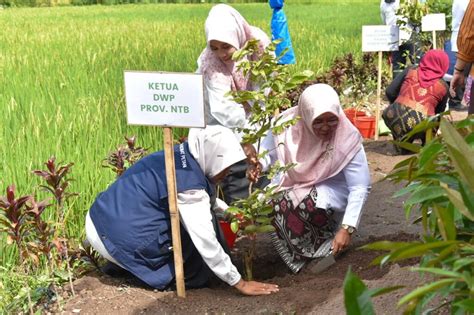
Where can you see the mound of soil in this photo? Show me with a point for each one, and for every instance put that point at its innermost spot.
(305, 292)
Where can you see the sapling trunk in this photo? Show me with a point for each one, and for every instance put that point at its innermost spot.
(248, 259)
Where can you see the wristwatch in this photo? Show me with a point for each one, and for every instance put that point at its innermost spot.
(348, 228)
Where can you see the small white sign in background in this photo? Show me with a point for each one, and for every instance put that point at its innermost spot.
(164, 99)
(379, 38)
(433, 22)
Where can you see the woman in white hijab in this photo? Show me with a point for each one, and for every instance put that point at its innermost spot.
(226, 32)
(129, 223)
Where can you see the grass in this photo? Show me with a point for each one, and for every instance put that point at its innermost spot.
(61, 79)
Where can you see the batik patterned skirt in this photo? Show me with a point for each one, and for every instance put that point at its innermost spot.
(301, 231)
(401, 119)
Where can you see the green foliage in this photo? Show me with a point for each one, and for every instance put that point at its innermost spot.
(357, 295)
(413, 12)
(255, 214)
(441, 187)
(353, 77)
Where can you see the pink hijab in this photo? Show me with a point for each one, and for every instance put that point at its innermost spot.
(227, 25)
(316, 160)
(433, 65)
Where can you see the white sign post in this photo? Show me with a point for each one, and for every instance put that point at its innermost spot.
(379, 38)
(167, 99)
(433, 22)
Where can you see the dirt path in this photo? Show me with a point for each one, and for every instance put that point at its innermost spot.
(305, 292)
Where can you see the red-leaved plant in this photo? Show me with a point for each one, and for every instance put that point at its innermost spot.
(57, 183)
(13, 216)
(124, 157)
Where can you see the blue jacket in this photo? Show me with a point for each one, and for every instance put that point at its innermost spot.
(132, 216)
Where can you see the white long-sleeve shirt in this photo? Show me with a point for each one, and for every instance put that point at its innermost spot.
(221, 109)
(389, 17)
(345, 192)
(194, 209)
(458, 10)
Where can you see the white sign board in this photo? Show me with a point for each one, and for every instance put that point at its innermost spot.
(379, 38)
(433, 22)
(164, 99)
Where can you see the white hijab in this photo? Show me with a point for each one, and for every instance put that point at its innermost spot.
(215, 148)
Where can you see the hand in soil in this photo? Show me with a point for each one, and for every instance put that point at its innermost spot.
(256, 288)
(341, 241)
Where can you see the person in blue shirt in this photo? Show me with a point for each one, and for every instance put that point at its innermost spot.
(129, 223)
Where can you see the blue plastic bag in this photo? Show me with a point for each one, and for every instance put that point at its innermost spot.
(279, 26)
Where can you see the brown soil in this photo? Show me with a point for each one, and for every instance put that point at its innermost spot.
(305, 292)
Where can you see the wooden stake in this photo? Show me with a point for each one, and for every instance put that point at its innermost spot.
(379, 91)
(434, 39)
(174, 215)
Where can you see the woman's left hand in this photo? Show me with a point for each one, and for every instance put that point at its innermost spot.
(341, 241)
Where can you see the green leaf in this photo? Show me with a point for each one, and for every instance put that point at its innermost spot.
(265, 229)
(425, 194)
(466, 304)
(417, 250)
(386, 245)
(233, 210)
(429, 153)
(443, 178)
(457, 200)
(460, 152)
(410, 188)
(460, 263)
(439, 272)
(421, 291)
(380, 291)
(467, 195)
(415, 148)
(234, 226)
(356, 296)
(250, 229)
(445, 222)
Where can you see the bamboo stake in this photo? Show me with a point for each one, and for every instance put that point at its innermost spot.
(175, 226)
(379, 90)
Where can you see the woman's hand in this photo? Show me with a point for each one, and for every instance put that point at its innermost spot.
(256, 288)
(249, 151)
(254, 171)
(341, 241)
(254, 167)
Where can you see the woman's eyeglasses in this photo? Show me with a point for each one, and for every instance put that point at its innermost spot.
(331, 123)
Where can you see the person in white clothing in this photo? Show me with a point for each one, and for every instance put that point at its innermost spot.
(323, 195)
(388, 13)
(129, 223)
(226, 32)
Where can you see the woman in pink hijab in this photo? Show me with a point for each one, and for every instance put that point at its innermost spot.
(323, 195)
(226, 32)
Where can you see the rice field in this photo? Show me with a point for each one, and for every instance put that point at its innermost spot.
(61, 79)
